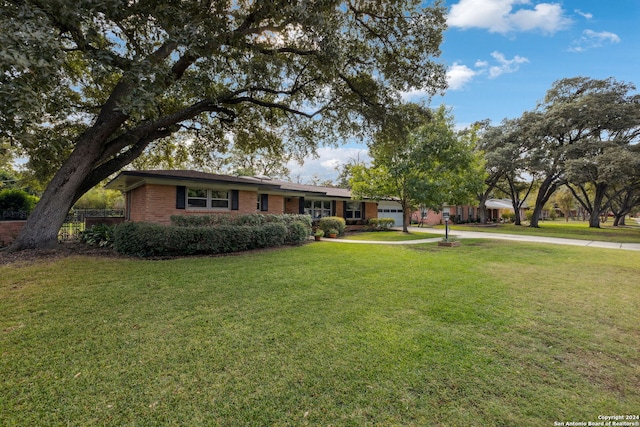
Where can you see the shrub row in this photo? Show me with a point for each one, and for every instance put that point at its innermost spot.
(380, 224)
(249, 219)
(145, 239)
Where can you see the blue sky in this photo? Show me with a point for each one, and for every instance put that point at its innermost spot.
(503, 55)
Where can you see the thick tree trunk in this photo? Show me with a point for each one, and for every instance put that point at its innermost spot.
(406, 217)
(547, 188)
(482, 212)
(594, 217)
(42, 226)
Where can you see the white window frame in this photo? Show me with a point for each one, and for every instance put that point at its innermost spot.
(211, 197)
(317, 208)
(351, 212)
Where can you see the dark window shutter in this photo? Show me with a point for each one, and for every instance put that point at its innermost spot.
(362, 215)
(181, 192)
(344, 209)
(333, 208)
(301, 205)
(235, 200)
(264, 202)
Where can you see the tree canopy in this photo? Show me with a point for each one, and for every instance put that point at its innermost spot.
(87, 86)
(583, 135)
(419, 159)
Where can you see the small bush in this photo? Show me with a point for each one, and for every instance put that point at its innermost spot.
(528, 215)
(332, 222)
(101, 235)
(15, 200)
(380, 224)
(297, 233)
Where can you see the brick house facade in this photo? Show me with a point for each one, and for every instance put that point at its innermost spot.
(154, 196)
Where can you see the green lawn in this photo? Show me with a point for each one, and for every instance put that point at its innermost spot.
(389, 236)
(570, 230)
(490, 333)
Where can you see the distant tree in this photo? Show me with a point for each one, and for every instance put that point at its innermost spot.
(624, 202)
(577, 120)
(505, 150)
(17, 200)
(566, 201)
(420, 159)
(86, 87)
(100, 198)
(8, 179)
(593, 174)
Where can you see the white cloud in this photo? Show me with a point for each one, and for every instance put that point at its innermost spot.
(505, 65)
(459, 75)
(324, 166)
(591, 40)
(585, 15)
(499, 16)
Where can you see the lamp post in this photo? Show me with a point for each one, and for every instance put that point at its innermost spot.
(445, 216)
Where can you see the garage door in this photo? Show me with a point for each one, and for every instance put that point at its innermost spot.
(387, 209)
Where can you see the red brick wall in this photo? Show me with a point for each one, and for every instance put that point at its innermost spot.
(292, 205)
(157, 203)
(370, 210)
(9, 230)
(276, 205)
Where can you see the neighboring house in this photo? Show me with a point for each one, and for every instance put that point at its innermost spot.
(469, 213)
(154, 196)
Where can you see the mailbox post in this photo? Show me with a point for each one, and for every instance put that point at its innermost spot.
(445, 216)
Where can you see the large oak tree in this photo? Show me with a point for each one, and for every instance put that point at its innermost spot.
(578, 118)
(419, 159)
(87, 86)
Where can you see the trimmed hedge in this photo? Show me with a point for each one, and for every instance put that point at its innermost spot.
(379, 224)
(332, 223)
(219, 236)
(249, 219)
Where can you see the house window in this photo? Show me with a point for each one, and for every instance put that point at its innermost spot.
(199, 198)
(317, 208)
(354, 210)
(471, 213)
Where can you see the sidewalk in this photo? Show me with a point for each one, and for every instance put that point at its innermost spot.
(534, 239)
(488, 235)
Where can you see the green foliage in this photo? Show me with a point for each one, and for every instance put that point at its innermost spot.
(99, 198)
(17, 200)
(380, 224)
(335, 223)
(528, 215)
(420, 159)
(101, 235)
(211, 234)
(508, 216)
(297, 233)
(248, 219)
(152, 240)
(269, 80)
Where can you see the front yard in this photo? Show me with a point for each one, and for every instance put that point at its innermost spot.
(491, 333)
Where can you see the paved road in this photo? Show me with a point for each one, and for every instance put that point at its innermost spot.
(488, 235)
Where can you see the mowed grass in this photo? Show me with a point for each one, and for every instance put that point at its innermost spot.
(490, 333)
(390, 236)
(569, 230)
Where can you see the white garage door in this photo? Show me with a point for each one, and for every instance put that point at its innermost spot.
(388, 209)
